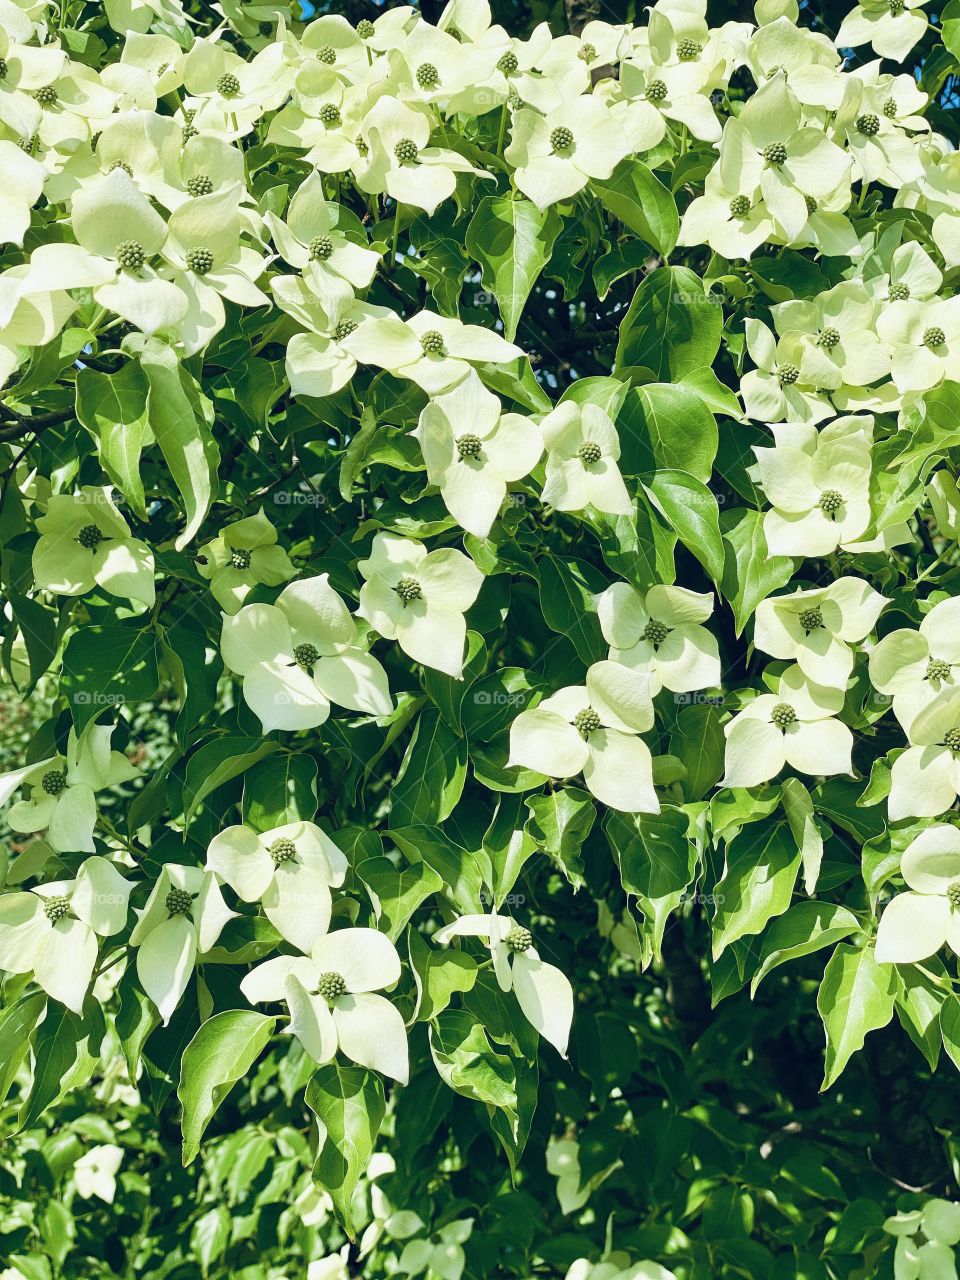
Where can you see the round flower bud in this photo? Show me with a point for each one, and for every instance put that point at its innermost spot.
(587, 53)
(56, 908)
(331, 985)
(589, 452)
(830, 502)
(775, 153)
(783, 715)
(408, 589)
(122, 164)
(810, 619)
(305, 655)
(406, 151)
(740, 206)
(951, 739)
(344, 329)
(130, 255)
(828, 338)
(432, 343)
(868, 124)
(561, 139)
(896, 7)
(3, 68)
(953, 895)
(586, 722)
(934, 337)
(937, 669)
(468, 446)
(178, 902)
(46, 96)
(327, 55)
(321, 247)
(228, 86)
(427, 75)
(656, 91)
(899, 292)
(53, 781)
(265, 28)
(200, 260)
(330, 113)
(519, 939)
(811, 205)
(508, 63)
(890, 108)
(90, 537)
(366, 29)
(787, 374)
(240, 558)
(200, 185)
(689, 50)
(361, 146)
(282, 850)
(655, 632)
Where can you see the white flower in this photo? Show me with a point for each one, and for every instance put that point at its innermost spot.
(893, 28)
(310, 241)
(819, 485)
(793, 726)
(582, 453)
(660, 632)
(418, 598)
(85, 542)
(242, 555)
(543, 993)
(916, 924)
(95, 1173)
(817, 627)
(925, 779)
(62, 790)
(299, 655)
(472, 451)
(592, 729)
(924, 340)
(330, 995)
(554, 156)
(318, 363)
(21, 181)
(914, 666)
(54, 930)
(837, 329)
(183, 917)
(290, 869)
(442, 1256)
(780, 389)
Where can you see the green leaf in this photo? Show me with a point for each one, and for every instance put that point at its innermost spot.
(113, 408)
(107, 666)
(698, 742)
(672, 327)
(568, 591)
(692, 511)
(458, 868)
(66, 1049)
(349, 1106)
(798, 807)
(666, 425)
(641, 202)
(919, 999)
(16, 1027)
(217, 762)
(221, 1053)
(856, 997)
(188, 448)
(950, 1028)
(758, 880)
(280, 789)
(396, 893)
(440, 973)
(432, 774)
(657, 862)
(560, 822)
(803, 929)
(512, 240)
(750, 572)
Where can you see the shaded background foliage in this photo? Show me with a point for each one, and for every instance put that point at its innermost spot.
(721, 1155)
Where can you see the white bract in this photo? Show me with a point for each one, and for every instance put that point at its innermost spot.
(243, 555)
(332, 1001)
(925, 779)
(543, 992)
(592, 729)
(53, 931)
(793, 726)
(419, 598)
(661, 631)
(289, 869)
(298, 656)
(816, 628)
(914, 666)
(582, 453)
(916, 924)
(95, 1173)
(85, 542)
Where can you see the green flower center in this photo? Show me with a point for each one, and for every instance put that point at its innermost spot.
(561, 139)
(305, 655)
(811, 205)
(239, 558)
(56, 908)
(586, 722)
(508, 63)
(228, 86)
(200, 185)
(53, 782)
(689, 50)
(787, 374)
(30, 145)
(327, 55)
(427, 75)
(896, 7)
(828, 338)
(811, 619)
(90, 537)
(331, 985)
(344, 329)
(831, 500)
(432, 343)
(122, 164)
(868, 124)
(934, 337)
(130, 255)
(46, 96)
(406, 151)
(366, 29)
(265, 28)
(200, 260)
(282, 851)
(783, 715)
(178, 902)
(587, 53)
(951, 739)
(589, 452)
(468, 446)
(321, 247)
(775, 153)
(890, 108)
(3, 68)
(937, 669)
(740, 206)
(330, 113)
(408, 589)
(899, 292)
(361, 146)
(188, 132)
(655, 632)
(519, 939)
(656, 91)
(953, 895)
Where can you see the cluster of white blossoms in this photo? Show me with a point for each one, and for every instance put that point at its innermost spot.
(136, 186)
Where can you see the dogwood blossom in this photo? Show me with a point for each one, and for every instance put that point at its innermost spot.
(661, 631)
(892, 29)
(925, 779)
(582, 453)
(243, 555)
(917, 923)
(95, 1173)
(543, 992)
(85, 542)
(914, 666)
(332, 1002)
